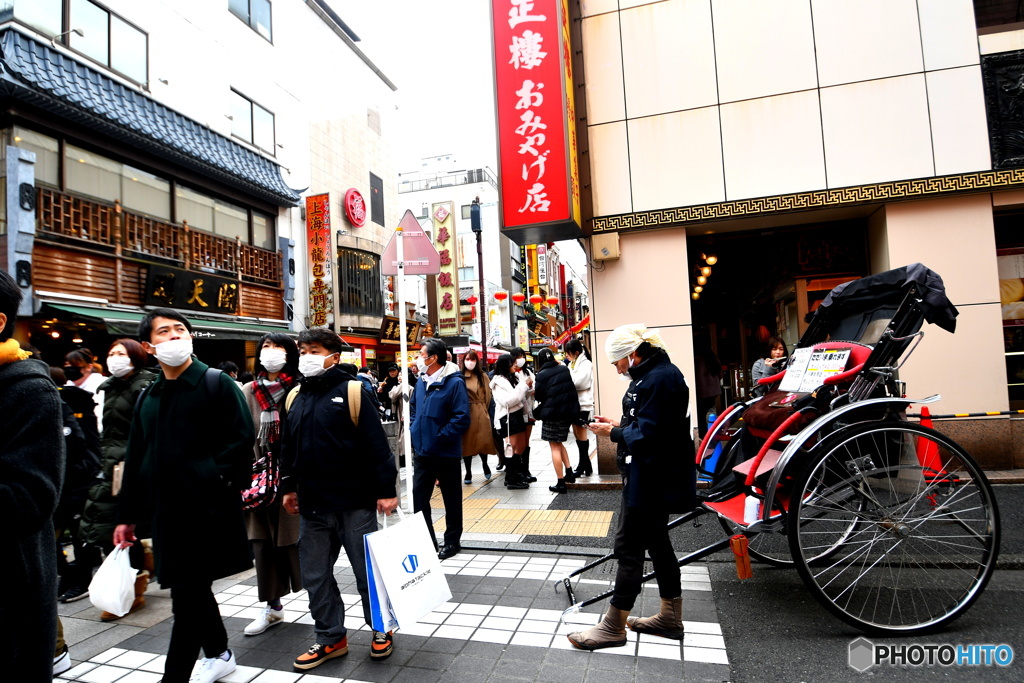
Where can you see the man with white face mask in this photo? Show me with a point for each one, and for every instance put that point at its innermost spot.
(337, 474)
(188, 457)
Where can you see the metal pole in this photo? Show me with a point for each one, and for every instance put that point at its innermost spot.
(483, 300)
(403, 349)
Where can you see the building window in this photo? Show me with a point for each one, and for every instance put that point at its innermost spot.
(47, 151)
(360, 288)
(101, 35)
(252, 123)
(376, 200)
(256, 13)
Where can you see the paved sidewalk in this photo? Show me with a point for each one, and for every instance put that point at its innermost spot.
(504, 621)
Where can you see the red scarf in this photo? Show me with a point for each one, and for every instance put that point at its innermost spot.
(270, 395)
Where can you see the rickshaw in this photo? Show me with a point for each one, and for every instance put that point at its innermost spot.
(892, 526)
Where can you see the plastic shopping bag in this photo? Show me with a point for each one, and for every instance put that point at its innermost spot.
(113, 587)
(404, 575)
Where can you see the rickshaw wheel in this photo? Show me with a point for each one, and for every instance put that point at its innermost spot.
(768, 547)
(912, 522)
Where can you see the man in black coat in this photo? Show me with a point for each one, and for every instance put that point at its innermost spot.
(188, 457)
(31, 476)
(656, 458)
(337, 473)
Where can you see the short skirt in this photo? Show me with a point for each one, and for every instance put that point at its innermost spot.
(554, 430)
(517, 426)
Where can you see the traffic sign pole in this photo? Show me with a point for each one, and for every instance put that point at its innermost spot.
(403, 349)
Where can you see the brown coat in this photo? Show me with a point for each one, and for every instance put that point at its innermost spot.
(270, 522)
(477, 438)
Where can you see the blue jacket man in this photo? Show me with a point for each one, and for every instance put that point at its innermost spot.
(439, 415)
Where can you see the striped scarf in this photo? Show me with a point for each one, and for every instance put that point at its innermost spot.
(270, 395)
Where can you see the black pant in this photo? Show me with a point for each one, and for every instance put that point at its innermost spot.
(197, 624)
(446, 471)
(643, 529)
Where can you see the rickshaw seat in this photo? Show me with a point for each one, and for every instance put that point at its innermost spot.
(733, 509)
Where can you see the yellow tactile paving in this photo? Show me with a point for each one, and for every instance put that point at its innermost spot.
(440, 526)
(480, 503)
(589, 516)
(546, 515)
(488, 526)
(599, 529)
(506, 515)
(539, 528)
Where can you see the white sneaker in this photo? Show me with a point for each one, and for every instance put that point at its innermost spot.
(211, 670)
(265, 620)
(62, 662)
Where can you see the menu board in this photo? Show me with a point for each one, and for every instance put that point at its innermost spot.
(808, 368)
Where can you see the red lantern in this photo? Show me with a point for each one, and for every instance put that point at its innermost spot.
(519, 297)
(471, 300)
(501, 295)
(552, 300)
(536, 299)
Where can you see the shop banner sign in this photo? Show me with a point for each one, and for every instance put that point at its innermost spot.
(190, 289)
(536, 116)
(318, 249)
(390, 331)
(447, 314)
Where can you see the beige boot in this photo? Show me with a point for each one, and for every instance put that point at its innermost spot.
(610, 632)
(668, 623)
(141, 583)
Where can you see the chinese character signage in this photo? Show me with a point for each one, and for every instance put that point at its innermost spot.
(318, 249)
(536, 115)
(542, 264)
(447, 314)
(389, 331)
(191, 289)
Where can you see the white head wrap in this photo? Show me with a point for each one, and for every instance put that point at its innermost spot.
(625, 339)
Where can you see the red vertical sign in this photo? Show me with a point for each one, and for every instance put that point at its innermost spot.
(318, 250)
(536, 120)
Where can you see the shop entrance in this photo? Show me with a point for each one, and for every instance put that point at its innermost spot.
(761, 284)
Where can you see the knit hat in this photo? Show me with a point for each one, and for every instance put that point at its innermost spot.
(625, 339)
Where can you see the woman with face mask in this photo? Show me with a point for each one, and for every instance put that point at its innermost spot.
(272, 533)
(81, 372)
(526, 375)
(478, 438)
(126, 362)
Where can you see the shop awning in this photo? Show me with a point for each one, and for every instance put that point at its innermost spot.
(126, 323)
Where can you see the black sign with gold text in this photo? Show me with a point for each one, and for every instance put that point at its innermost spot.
(390, 327)
(191, 289)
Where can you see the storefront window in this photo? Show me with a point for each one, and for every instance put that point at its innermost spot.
(360, 288)
(145, 193)
(230, 220)
(91, 174)
(195, 208)
(47, 151)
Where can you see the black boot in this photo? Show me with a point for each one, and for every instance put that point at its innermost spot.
(570, 477)
(584, 468)
(467, 460)
(514, 478)
(559, 487)
(526, 467)
(487, 470)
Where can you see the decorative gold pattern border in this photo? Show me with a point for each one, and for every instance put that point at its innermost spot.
(803, 201)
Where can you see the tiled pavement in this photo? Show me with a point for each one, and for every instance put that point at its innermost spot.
(504, 622)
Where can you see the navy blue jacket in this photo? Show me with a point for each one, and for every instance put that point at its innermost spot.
(555, 391)
(439, 414)
(655, 431)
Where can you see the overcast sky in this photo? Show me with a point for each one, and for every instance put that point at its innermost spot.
(438, 53)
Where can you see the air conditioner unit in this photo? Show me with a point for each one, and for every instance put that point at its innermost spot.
(606, 247)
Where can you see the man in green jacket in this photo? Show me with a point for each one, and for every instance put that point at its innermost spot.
(189, 455)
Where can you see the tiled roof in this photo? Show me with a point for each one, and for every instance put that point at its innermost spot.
(36, 73)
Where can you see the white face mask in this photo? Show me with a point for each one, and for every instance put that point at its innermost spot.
(312, 366)
(119, 366)
(273, 359)
(174, 352)
(470, 364)
(520, 362)
(421, 365)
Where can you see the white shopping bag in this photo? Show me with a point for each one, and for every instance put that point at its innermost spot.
(404, 575)
(113, 587)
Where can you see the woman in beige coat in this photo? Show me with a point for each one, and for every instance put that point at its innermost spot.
(273, 534)
(478, 439)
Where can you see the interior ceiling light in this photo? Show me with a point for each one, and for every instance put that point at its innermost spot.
(705, 271)
(701, 280)
(710, 259)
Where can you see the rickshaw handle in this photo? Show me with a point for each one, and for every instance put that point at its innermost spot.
(769, 442)
(711, 429)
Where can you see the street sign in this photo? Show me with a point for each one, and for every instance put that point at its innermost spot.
(419, 254)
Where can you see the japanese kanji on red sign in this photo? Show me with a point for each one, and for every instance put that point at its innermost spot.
(448, 315)
(536, 120)
(318, 250)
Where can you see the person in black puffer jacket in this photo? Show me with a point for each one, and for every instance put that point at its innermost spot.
(559, 405)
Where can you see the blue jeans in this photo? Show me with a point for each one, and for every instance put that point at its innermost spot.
(321, 537)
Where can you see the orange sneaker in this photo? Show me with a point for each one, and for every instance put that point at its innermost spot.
(381, 645)
(320, 653)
